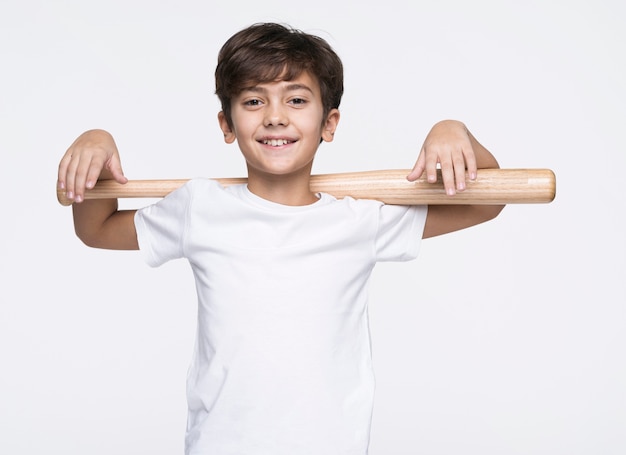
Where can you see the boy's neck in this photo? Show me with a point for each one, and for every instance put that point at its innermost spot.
(293, 189)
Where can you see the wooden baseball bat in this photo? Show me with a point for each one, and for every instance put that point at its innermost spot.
(491, 187)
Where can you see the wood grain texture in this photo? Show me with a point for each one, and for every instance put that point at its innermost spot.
(491, 187)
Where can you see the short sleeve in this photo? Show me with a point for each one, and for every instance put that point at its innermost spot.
(161, 227)
(400, 232)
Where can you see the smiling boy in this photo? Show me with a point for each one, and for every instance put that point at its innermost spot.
(282, 362)
(278, 126)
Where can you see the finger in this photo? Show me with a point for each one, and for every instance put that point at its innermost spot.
(448, 177)
(115, 167)
(471, 166)
(69, 173)
(62, 171)
(459, 173)
(92, 169)
(92, 172)
(431, 162)
(418, 168)
(83, 168)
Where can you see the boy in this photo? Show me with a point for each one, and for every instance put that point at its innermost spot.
(282, 359)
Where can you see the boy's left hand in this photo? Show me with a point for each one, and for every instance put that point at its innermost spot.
(448, 145)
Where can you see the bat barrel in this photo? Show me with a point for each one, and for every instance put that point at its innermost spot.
(491, 187)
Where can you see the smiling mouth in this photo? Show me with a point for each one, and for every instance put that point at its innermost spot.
(276, 142)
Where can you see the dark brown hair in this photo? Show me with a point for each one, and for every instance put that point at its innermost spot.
(268, 52)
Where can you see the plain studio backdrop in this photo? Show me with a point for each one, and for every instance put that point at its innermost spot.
(507, 338)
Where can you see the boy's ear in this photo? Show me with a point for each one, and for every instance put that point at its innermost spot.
(229, 134)
(330, 125)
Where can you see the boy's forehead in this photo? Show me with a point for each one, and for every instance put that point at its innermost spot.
(304, 80)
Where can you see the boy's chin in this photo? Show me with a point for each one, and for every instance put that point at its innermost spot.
(279, 170)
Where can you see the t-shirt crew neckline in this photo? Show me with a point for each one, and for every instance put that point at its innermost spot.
(258, 201)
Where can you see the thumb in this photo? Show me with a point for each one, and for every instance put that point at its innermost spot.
(418, 169)
(115, 168)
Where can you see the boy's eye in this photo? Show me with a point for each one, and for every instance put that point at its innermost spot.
(252, 102)
(297, 101)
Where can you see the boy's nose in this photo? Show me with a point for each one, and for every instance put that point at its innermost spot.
(276, 116)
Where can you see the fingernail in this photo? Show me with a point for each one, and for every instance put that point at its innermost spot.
(69, 195)
(62, 185)
(78, 199)
(450, 192)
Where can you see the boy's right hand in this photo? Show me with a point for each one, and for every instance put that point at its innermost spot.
(93, 156)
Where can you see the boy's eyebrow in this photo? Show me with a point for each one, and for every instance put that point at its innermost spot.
(288, 88)
(292, 87)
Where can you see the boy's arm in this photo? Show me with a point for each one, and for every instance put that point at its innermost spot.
(451, 146)
(98, 223)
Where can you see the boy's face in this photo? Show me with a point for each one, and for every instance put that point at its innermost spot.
(278, 126)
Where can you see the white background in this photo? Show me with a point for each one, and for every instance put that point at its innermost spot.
(507, 338)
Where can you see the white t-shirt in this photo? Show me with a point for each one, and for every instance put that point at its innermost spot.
(282, 362)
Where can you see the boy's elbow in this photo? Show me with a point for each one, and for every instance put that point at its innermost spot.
(91, 235)
(443, 219)
(484, 213)
(88, 238)
(492, 211)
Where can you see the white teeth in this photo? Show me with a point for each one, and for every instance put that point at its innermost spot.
(275, 142)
